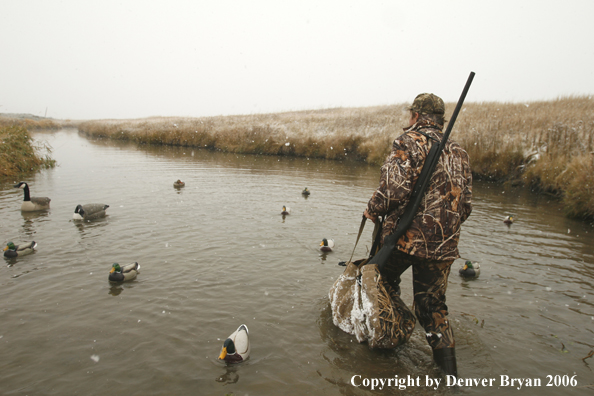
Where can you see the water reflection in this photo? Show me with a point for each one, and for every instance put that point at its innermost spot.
(10, 261)
(115, 290)
(83, 226)
(31, 218)
(231, 376)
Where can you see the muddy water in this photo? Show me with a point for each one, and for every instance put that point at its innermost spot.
(217, 253)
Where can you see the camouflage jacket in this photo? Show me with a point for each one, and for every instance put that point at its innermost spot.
(435, 230)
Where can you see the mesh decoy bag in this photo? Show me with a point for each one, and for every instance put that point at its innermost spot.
(366, 306)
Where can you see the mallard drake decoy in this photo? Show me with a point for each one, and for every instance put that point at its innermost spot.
(236, 347)
(509, 220)
(305, 192)
(470, 270)
(326, 245)
(11, 250)
(89, 211)
(125, 273)
(286, 211)
(31, 204)
(178, 183)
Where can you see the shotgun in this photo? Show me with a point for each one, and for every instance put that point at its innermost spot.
(381, 258)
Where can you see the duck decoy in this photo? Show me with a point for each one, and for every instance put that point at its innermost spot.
(509, 220)
(286, 211)
(32, 204)
(89, 211)
(11, 250)
(327, 245)
(178, 184)
(305, 192)
(236, 347)
(125, 273)
(470, 270)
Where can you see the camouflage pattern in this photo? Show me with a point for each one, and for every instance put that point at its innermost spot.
(427, 103)
(430, 280)
(435, 230)
(390, 322)
(365, 305)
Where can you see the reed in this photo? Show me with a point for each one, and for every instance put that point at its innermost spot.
(20, 154)
(547, 145)
(30, 123)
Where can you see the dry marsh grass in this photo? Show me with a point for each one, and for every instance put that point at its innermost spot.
(547, 145)
(362, 134)
(20, 154)
(32, 122)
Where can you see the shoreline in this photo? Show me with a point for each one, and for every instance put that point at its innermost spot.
(546, 145)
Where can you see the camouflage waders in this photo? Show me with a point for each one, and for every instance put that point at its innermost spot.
(430, 280)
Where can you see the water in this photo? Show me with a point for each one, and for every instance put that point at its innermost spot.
(217, 253)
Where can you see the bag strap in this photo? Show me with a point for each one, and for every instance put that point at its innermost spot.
(361, 227)
(377, 236)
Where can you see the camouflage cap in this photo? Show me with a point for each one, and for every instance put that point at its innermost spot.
(427, 103)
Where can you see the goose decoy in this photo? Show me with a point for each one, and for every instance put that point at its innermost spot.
(32, 204)
(236, 347)
(125, 273)
(178, 183)
(470, 270)
(286, 211)
(11, 250)
(509, 220)
(305, 192)
(327, 245)
(89, 211)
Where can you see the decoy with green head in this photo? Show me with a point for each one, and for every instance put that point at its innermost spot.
(305, 192)
(125, 273)
(470, 269)
(12, 250)
(236, 347)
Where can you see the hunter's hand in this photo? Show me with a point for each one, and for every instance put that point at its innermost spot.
(369, 216)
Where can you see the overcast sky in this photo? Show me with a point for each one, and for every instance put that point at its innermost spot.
(139, 58)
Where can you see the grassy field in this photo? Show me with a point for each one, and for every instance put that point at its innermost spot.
(30, 122)
(19, 154)
(547, 145)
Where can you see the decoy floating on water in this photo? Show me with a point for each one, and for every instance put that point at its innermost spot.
(32, 204)
(125, 273)
(470, 270)
(327, 245)
(305, 192)
(178, 183)
(11, 250)
(286, 211)
(89, 211)
(236, 347)
(509, 220)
